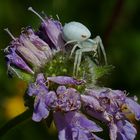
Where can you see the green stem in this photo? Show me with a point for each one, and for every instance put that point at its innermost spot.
(15, 121)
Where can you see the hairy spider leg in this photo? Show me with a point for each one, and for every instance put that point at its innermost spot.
(77, 61)
(99, 41)
(69, 42)
(79, 56)
(73, 49)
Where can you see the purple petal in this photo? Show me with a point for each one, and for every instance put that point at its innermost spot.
(28, 44)
(64, 80)
(40, 78)
(95, 92)
(32, 90)
(126, 130)
(106, 92)
(15, 59)
(50, 98)
(40, 44)
(54, 32)
(82, 122)
(96, 114)
(121, 136)
(61, 90)
(29, 56)
(113, 131)
(35, 89)
(78, 134)
(74, 127)
(35, 39)
(43, 35)
(40, 110)
(134, 107)
(39, 87)
(59, 117)
(91, 102)
(68, 99)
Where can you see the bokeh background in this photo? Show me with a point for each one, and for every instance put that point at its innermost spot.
(116, 21)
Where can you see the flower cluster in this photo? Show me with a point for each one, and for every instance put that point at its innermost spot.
(32, 50)
(60, 95)
(65, 104)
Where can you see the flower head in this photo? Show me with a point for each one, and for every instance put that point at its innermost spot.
(63, 99)
(65, 104)
(28, 55)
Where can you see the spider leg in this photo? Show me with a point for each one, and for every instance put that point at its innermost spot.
(99, 41)
(78, 60)
(69, 42)
(73, 49)
(75, 63)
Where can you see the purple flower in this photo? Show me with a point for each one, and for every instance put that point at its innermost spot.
(40, 92)
(134, 107)
(107, 105)
(38, 56)
(28, 52)
(63, 99)
(65, 104)
(50, 31)
(68, 99)
(75, 126)
(13, 59)
(39, 43)
(122, 130)
(65, 80)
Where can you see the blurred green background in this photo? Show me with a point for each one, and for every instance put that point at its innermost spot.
(116, 21)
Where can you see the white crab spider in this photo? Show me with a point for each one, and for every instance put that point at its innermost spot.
(75, 32)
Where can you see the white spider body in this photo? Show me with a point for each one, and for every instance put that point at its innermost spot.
(77, 33)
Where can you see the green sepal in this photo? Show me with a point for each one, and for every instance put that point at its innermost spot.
(15, 72)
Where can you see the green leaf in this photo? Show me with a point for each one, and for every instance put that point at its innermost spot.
(21, 74)
(15, 121)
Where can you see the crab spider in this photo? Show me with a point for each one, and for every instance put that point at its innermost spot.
(77, 33)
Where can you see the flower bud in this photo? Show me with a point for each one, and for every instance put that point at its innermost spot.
(51, 32)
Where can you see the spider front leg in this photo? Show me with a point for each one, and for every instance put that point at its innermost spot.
(77, 61)
(78, 57)
(98, 40)
(73, 49)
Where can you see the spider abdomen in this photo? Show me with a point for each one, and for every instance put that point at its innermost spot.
(75, 31)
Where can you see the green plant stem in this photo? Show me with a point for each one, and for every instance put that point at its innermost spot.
(15, 121)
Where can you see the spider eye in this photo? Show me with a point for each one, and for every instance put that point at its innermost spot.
(83, 36)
